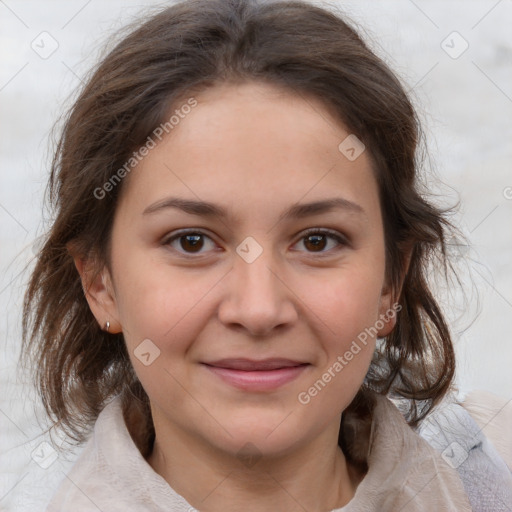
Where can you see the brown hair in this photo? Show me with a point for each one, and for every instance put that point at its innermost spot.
(192, 45)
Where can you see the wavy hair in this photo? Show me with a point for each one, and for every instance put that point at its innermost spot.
(190, 46)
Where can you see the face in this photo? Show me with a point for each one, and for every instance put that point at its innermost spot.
(243, 309)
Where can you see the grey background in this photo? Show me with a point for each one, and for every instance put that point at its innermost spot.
(466, 106)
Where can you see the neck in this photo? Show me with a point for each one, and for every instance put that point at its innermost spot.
(315, 477)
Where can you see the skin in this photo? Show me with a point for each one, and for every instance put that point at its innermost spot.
(255, 150)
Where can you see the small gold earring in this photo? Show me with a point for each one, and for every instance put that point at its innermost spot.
(107, 325)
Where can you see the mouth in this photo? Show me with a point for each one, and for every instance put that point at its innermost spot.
(250, 365)
(253, 375)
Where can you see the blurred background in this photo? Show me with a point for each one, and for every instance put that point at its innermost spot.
(455, 58)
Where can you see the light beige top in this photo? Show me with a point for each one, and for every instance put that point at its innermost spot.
(405, 473)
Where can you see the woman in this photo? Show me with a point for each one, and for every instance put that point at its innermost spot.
(235, 281)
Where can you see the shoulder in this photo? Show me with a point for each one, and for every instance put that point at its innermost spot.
(91, 475)
(111, 474)
(454, 433)
(493, 414)
(404, 471)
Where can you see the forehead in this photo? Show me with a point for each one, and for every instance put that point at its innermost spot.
(255, 146)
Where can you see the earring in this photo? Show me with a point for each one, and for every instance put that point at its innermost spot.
(107, 325)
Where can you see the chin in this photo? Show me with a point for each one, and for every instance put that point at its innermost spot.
(254, 437)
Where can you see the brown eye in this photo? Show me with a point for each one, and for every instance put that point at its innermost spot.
(317, 240)
(191, 242)
(188, 242)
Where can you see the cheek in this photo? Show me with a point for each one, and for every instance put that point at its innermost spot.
(347, 302)
(162, 315)
(339, 375)
(348, 308)
(160, 303)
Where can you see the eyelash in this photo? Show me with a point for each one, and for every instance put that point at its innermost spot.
(342, 241)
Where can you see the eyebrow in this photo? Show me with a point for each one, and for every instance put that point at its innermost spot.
(296, 211)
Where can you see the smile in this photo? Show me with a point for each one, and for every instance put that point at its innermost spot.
(256, 375)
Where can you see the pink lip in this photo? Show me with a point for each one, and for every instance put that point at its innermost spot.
(257, 375)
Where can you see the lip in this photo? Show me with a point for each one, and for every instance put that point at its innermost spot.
(245, 364)
(252, 375)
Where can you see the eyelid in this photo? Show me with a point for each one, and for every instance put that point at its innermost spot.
(325, 231)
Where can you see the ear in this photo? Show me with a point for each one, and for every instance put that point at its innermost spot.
(99, 292)
(388, 306)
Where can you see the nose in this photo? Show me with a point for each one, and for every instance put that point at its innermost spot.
(258, 299)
